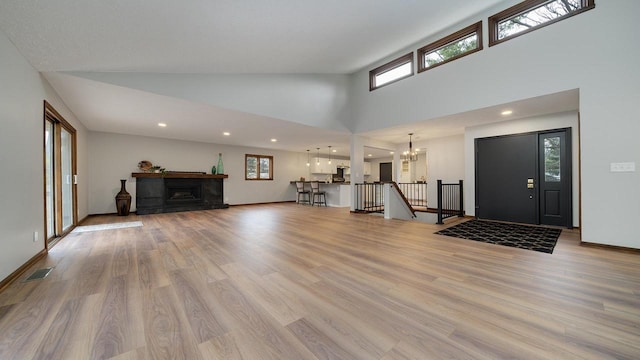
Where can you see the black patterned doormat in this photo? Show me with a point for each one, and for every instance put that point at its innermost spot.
(536, 238)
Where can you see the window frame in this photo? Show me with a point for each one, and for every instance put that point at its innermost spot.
(522, 7)
(447, 40)
(258, 157)
(402, 60)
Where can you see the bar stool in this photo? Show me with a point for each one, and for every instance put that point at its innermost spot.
(315, 192)
(302, 192)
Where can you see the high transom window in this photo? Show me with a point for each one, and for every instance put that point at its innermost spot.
(452, 47)
(391, 72)
(530, 15)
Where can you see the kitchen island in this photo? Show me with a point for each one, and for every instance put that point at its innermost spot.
(338, 194)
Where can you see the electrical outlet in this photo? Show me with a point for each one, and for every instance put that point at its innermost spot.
(35, 236)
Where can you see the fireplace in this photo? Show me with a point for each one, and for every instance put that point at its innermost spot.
(158, 193)
(182, 193)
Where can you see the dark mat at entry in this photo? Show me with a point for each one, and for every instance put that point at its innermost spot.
(535, 238)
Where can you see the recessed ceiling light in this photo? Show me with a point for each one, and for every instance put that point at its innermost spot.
(391, 152)
(226, 133)
(162, 124)
(274, 140)
(417, 149)
(334, 150)
(507, 112)
(369, 155)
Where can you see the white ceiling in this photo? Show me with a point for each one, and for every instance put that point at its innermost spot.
(225, 36)
(109, 108)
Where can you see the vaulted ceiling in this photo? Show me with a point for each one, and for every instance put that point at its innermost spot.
(214, 37)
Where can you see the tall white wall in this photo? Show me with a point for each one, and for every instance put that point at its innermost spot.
(596, 52)
(114, 157)
(446, 162)
(22, 92)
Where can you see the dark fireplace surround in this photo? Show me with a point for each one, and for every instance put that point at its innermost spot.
(173, 192)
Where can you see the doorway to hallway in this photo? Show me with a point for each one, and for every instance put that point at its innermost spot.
(386, 172)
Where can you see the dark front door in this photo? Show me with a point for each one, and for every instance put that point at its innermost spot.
(386, 172)
(506, 171)
(525, 178)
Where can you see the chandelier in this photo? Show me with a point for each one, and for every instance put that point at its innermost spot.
(410, 155)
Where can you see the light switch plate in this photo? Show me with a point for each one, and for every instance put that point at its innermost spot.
(623, 167)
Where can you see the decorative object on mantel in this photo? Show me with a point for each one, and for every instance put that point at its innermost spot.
(123, 200)
(157, 169)
(147, 166)
(220, 168)
(144, 165)
(213, 170)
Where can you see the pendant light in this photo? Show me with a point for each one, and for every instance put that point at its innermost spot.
(308, 158)
(329, 154)
(318, 157)
(410, 155)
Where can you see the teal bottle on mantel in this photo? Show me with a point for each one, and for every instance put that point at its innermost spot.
(213, 170)
(220, 169)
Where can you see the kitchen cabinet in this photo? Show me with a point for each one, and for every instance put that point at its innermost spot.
(345, 165)
(367, 168)
(322, 166)
(366, 172)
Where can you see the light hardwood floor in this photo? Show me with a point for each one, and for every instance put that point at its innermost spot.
(289, 281)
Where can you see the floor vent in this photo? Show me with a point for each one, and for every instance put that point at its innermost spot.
(39, 274)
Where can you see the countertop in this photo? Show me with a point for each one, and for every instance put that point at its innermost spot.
(322, 182)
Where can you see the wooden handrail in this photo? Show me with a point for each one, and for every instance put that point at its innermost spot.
(395, 185)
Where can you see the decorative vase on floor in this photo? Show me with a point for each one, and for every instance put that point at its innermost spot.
(123, 200)
(220, 165)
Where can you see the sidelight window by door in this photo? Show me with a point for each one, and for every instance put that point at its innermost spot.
(552, 159)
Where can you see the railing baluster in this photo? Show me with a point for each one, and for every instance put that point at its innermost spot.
(461, 200)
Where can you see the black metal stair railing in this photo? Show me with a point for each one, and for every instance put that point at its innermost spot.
(416, 193)
(369, 197)
(450, 200)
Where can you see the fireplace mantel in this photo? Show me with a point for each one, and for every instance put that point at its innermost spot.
(179, 175)
(178, 191)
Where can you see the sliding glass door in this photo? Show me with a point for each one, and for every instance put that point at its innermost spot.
(60, 174)
(49, 176)
(66, 169)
